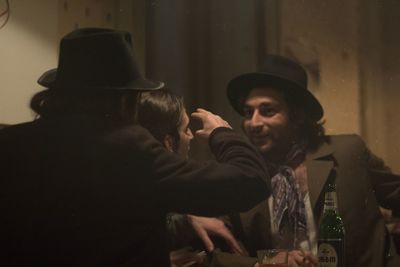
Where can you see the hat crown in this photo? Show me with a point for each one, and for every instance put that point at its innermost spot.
(97, 58)
(281, 74)
(285, 68)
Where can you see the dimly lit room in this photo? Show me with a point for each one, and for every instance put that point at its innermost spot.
(216, 56)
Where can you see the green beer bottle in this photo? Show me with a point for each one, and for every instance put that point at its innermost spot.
(331, 232)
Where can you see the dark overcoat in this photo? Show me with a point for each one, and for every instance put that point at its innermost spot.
(81, 192)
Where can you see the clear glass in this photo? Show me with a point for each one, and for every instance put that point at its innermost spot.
(272, 257)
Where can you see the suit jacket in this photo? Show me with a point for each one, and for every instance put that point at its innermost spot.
(362, 182)
(80, 192)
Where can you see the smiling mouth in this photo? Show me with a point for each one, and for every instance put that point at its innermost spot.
(260, 137)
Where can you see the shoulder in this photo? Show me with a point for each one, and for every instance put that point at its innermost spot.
(14, 131)
(132, 138)
(345, 140)
(348, 147)
(127, 133)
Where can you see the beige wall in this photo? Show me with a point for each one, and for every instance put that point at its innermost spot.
(353, 47)
(127, 15)
(29, 42)
(323, 36)
(75, 14)
(27, 49)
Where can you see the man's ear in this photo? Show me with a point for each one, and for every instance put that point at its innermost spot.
(168, 143)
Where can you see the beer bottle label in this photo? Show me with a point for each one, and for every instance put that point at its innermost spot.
(330, 201)
(330, 253)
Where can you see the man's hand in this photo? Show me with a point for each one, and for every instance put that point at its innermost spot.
(210, 122)
(297, 258)
(205, 227)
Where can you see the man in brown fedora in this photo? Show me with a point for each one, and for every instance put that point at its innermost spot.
(282, 119)
(85, 185)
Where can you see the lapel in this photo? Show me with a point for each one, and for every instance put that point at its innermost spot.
(255, 223)
(319, 166)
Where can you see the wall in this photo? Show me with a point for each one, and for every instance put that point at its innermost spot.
(127, 15)
(27, 49)
(351, 53)
(196, 47)
(312, 33)
(75, 14)
(391, 82)
(29, 42)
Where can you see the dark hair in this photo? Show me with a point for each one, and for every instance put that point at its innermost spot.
(311, 131)
(161, 113)
(117, 106)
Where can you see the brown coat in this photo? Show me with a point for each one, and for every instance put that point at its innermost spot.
(363, 183)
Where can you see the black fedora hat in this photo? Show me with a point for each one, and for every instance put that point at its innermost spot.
(97, 59)
(280, 73)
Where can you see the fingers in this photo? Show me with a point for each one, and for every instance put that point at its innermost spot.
(231, 240)
(210, 121)
(295, 258)
(209, 118)
(200, 225)
(309, 260)
(221, 230)
(206, 239)
(199, 113)
(205, 227)
(299, 258)
(292, 262)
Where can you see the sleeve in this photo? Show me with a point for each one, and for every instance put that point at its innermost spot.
(385, 183)
(236, 181)
(179, 230)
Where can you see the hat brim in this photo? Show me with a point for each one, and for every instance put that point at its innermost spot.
(239, 87)
(48, 79)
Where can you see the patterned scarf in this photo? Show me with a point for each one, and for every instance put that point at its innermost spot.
(289, 213)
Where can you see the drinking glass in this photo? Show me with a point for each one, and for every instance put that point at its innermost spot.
(272, 257)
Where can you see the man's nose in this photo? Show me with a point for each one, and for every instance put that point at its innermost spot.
(256, 119)
(255, 122)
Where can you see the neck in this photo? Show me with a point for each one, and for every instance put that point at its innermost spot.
(292, 155)
(277, 157)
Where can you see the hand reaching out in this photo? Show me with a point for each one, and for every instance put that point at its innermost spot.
(205, 227)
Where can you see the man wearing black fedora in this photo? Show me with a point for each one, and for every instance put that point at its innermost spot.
(84, 185)
(282, 118)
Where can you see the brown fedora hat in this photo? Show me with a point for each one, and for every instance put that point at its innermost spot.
(280, 73)
(97, 59)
